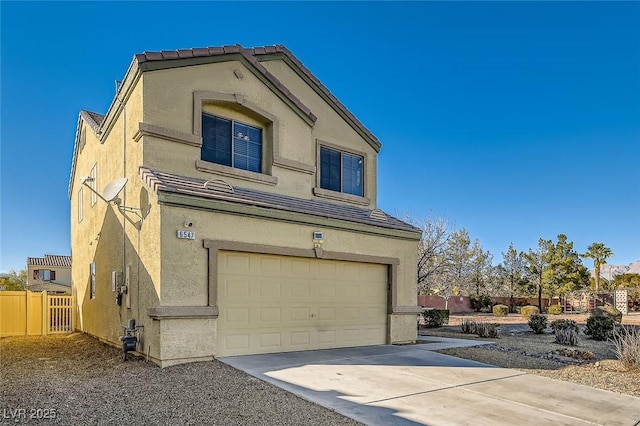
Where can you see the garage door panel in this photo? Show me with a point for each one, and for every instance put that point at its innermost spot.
(276, 303)
(327, 291)
(300, 338)
(235, 262)
(326, 269)
(235, 288)
(273, 314)
(300, 290)
(300, 267)
(270, 288)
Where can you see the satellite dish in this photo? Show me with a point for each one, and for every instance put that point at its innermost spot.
(145, 207)
(113, 188)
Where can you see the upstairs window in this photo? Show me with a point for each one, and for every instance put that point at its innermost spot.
(231, 143)
(341, 171)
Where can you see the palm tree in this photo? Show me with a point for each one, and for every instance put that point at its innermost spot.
(599, 253)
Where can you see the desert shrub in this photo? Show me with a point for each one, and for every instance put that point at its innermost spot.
(567, 337)
(500, 311)
(468, 327)
(562, 324)
(527, 311)
(486, 329)
(435, 317)
(610, 311)
(538, 323)
(600, 327)
(480, 303)
(555, 310)
(627, 347)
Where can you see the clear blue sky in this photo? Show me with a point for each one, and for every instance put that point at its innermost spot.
(515, 120)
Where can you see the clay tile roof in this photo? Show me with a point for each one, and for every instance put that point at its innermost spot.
(50, 260)
(183, 54)
(154, 56)
(216, 51)
(201, 52)
(253, 56)
(170, 54)
(171, 183)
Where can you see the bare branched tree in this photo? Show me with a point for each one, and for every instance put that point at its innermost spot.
(431, 249)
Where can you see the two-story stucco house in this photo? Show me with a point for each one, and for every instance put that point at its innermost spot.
(51, 273)
(247, 223)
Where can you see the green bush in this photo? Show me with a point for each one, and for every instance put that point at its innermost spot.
(564, 324)
(468, 327)
(555, 310)
(486, 329)
(610, 311)
(600, 327)
(500, 311)
(435, 317)
(538, 323)
(481, 303)
(567, 337)
(527, 311)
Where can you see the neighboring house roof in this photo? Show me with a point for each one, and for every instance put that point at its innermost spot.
(49, 286)
(222, 191)
(252, 57)
(50, 260)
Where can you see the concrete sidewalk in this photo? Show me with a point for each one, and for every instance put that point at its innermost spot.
(408, 385)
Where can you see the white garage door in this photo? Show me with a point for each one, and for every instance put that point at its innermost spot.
(274, 303)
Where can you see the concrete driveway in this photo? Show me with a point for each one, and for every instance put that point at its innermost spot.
(408, 385)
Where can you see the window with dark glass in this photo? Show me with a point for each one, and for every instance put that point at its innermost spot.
(231, 143)
(341, 171)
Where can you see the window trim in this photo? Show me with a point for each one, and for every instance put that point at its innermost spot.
(318, 191)
(270, 134)
(80, 204)
(94, 184)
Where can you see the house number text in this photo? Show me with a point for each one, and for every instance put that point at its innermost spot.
(187, 235)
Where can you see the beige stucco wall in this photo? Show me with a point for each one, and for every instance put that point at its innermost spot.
(167, 271)
(329, 127)
(169, 103)
(105, 237)
(185, 268)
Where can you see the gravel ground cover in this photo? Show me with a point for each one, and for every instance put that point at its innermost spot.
(76, 380)
(591, 363)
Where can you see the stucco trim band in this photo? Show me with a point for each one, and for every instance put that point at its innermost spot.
(170, 312)
(340, 196)
(167, 134)
(219, 169)
(187, 201)
(407, 310)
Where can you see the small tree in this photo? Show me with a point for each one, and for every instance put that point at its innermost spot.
(599, 253)
(431, 248)
(14, 280)
(535, 266)
(513, 269)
